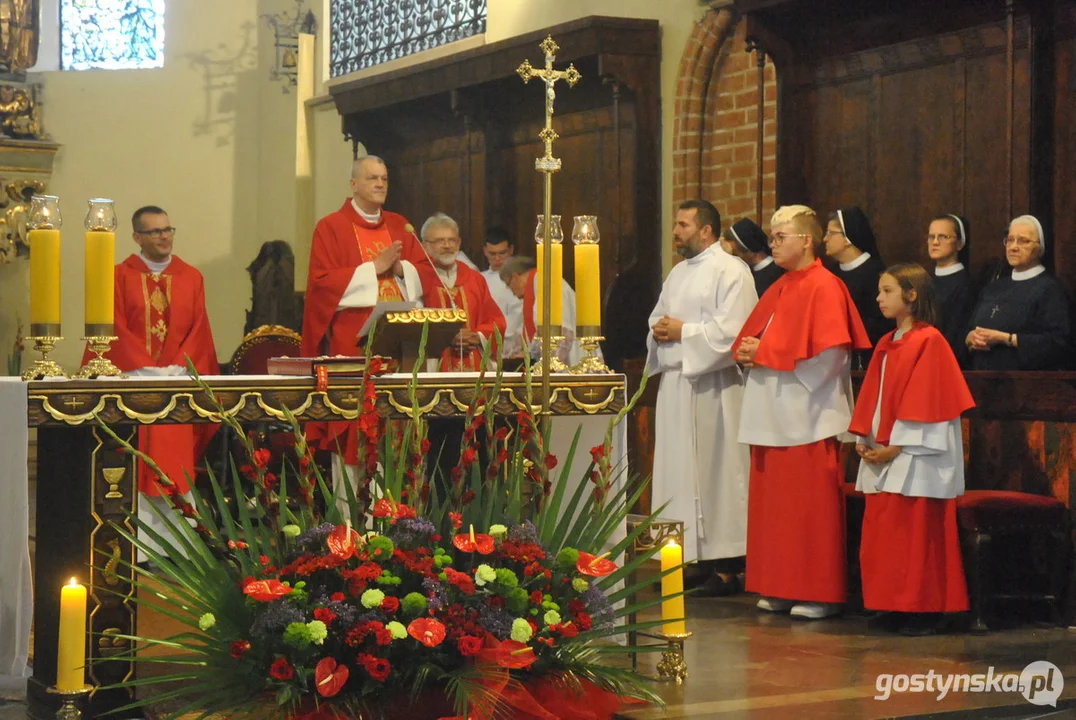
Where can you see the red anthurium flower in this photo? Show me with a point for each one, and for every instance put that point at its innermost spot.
(514, 654)
(239, 648)
(343, 542)
(471, 542)
(595, 566)
(266, 590)
(427, 631)
(330, 677)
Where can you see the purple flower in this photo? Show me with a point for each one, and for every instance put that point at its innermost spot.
(496, 621)
(599, 607)
(523, 533)
(411, 532)
(315, 536)
(277, 615)
(345, 613)
(435, 593)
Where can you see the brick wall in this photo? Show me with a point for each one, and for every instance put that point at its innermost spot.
(715, 138)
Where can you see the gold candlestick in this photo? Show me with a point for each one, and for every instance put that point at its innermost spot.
(673, 666)
(100, 339)
(592, 363)
(556, 365)
(70, 699)
(45, 337)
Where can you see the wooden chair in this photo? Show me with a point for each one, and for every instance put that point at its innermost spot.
(1017, 548)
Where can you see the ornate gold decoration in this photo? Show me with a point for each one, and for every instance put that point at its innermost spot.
(110, 645)
(114, 476)
(20, 33)
(547, 165)
(43, 367)
(16, 204)
(20, 112)
(272, 331)
(181, 400)
(421, 315)
(591, 364)
(111, 579)
(70, 701)
(673, 666)
(99, 366)
(555, 364)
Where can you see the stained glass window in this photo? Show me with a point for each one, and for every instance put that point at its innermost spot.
(111, 34)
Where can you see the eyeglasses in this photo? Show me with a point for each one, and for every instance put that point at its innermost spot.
(779, 238)
(444, 241)
(157, 234)
(834, 232)
(940, 238)
(1019, 242)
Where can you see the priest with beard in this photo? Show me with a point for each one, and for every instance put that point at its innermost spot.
(456, 285)
(746, 240)
(360, 255)
(851, 244)
(700, 469)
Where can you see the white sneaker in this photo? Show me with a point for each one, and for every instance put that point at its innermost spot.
(815, 611)
(770, 604)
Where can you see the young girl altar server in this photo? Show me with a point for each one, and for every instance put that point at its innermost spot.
(907, 419)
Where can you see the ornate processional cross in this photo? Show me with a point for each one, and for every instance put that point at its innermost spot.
(547, 165)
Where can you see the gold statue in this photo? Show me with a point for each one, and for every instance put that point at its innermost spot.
(20, 32)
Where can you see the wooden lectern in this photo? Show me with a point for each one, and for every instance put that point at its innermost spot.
(397, 331)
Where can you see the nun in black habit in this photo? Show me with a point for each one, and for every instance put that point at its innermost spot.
(947, 246)
(1021, 321)
(850, 243)
(747, 241)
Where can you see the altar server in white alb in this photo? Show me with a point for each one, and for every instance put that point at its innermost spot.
(699, 467)
(907, 420)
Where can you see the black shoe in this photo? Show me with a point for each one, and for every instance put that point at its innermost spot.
(719, 585)
(888, 621)
(920, 625)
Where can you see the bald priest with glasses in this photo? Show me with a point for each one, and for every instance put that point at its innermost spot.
(161, 321)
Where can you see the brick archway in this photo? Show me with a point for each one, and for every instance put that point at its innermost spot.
(715, 136)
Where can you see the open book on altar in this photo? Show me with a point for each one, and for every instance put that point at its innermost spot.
(397, 327)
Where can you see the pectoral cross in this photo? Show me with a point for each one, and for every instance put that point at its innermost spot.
(995, 310)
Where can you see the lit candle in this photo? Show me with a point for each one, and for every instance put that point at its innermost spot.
(588, 279)
(71, 654)
(100, 262)
(672, 608)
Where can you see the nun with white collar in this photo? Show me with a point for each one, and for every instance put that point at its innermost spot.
(850, 242)
(1021, 321)
(747, 241)
(947, 246)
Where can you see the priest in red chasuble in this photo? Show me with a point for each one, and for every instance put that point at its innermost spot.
(360, 255)
(457, 285)
(797, 346)
(161, 322)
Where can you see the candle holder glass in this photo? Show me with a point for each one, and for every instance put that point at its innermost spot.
(556, 233)
(585, 230)
(101, 215)
(591, 363)
(44, 213)
(673, 666)
(556, 365)
(45, 338)
(70, 702)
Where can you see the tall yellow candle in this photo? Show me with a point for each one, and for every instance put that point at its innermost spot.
(44, 276)
(71, 654)
(672, 556)
(588, 286)
(556, 299)
(100, 277)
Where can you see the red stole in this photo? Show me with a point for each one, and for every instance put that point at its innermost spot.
(811, 311)
(923, 383)
(471, 294)
(530, 327)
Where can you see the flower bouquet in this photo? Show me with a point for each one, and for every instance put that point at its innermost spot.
(498, 594)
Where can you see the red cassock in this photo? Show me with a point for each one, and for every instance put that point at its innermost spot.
(342, 242)
(161, 320)
(530, 327)
(470, 293)
(910, 552)
(795, 524)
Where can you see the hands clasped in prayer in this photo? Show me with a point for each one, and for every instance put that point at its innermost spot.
(467, 339)
(745, 354)
(389, 259)
(668, 329)
(877, 456)
(982, 339)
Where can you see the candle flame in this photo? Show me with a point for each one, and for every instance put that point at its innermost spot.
(72, 583)
(672, 541)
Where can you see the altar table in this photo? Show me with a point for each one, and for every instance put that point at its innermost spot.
(84, 482)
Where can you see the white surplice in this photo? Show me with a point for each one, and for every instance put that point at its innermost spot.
(699, 467)
(930, 463)
(511, 306)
